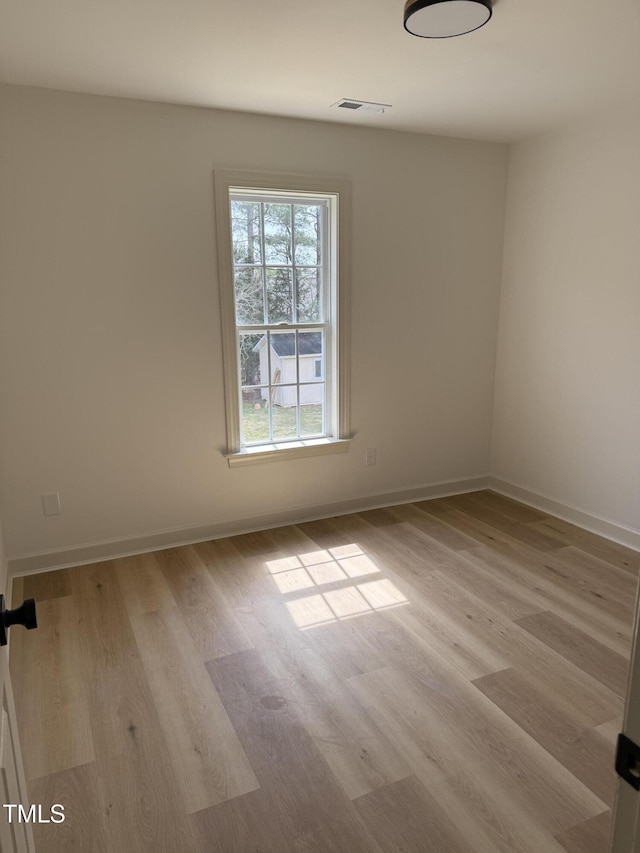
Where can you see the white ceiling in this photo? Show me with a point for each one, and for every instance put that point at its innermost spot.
(537, 63)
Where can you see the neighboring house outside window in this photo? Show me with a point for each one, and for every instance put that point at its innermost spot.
(282, 247)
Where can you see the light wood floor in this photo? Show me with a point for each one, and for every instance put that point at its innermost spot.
(444, 676)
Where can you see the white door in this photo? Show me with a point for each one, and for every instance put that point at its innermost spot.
(15, 836)
(626, 815)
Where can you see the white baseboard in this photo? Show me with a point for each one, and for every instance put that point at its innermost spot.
(581, 518)
(60, 558)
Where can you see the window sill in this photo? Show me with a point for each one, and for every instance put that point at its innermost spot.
(289, 450)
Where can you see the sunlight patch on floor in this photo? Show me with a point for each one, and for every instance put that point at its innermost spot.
(332, 566)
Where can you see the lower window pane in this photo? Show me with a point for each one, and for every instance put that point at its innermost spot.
(312, 410)
(311, 355)
(283, 358)
(283, 387)
(253, 355)
(255, 415)
(284, 413)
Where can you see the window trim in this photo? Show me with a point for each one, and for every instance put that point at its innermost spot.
(225, 182)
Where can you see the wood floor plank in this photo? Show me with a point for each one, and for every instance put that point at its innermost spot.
(405, 818)
(490, 586)
(475, 507)
(291, 539)
(409, 561)
(602, 663)
(378, 518)
(507, 506)
(434, 506)
(614, 588)
(138, 788)
(550, 592)
(286, 651)
(344, 647)
(553, 724)
(611, 729)
(143, 586)
(257, 544)
(476, 623)
(480, 639)
(546, 672)
(214, 629)
(308, 668)
(591, 836)
(336, 532)
(510, 756)
(434, 629)
(208, 760)
(398, 546)
(391, 551)
(486, 624)
(47, 585)
(83, 829)
(244, 581)
(103, 628)
(590, 543)
(494, 538)
(591, 759)
(247, 823)
(405, 646)
(360, 756)
(49, 672)
(315, 814)
(476, 801)
(442, 533)
(562, 727)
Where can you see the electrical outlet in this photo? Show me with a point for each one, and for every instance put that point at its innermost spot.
(370, 456)
(51, 503)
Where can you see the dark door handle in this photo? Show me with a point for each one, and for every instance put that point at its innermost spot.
(23, 615)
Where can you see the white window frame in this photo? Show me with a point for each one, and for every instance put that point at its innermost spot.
(337, 191)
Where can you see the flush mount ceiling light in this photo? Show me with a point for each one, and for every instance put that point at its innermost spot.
(441, 19)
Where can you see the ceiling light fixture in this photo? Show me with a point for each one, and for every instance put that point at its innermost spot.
(441, 19)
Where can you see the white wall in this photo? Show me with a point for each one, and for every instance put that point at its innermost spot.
(111, 372)
(567, 393)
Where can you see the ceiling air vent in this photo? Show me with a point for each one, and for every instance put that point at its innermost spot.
(360, 106)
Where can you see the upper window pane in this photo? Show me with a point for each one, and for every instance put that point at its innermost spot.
(309, 294)
(277, 234)
(246, 227)
(249, 295)
(279, 295)
(308, 234)
(278, 258)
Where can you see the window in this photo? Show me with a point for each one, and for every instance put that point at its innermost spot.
(282, 262)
